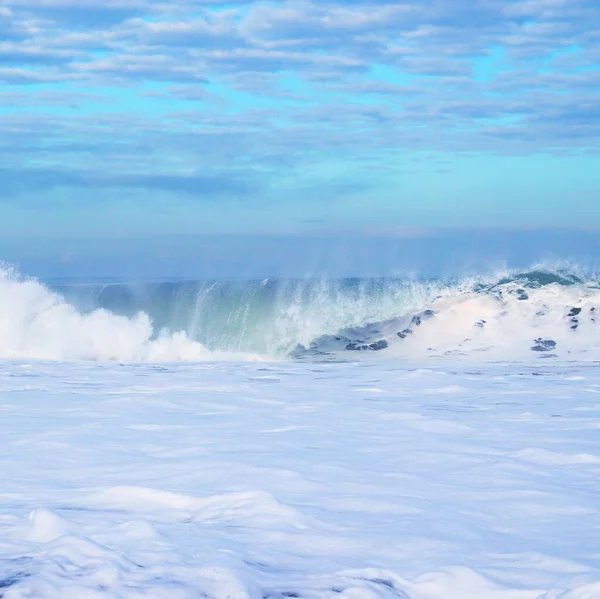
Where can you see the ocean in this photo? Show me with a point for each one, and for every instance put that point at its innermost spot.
(356, 438)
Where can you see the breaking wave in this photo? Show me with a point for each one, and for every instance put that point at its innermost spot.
(542, 312)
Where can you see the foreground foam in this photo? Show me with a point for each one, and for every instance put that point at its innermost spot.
(252, 508)
(296, 480)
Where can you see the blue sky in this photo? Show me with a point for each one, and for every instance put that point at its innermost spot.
(129, 119)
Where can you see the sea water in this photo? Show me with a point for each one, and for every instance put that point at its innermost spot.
(420, 439)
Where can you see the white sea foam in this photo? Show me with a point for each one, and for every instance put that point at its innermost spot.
(296, 479)
(38, 323)
(501, 324)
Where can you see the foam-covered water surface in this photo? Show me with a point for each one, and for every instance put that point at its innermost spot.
(300, 479)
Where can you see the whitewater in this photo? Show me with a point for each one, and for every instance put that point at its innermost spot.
(360, 438)
(504, 315)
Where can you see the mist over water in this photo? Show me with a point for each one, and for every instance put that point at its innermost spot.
(421, 252)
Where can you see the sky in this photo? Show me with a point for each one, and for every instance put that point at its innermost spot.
(134, 123)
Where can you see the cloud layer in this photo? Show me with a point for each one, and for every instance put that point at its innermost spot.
(205, 98)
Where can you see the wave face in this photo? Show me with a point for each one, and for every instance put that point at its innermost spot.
(543, 312)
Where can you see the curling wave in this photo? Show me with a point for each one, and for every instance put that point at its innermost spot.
(552, 314)
(543, 312)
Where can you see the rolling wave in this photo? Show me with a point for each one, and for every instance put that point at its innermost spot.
(542, 312)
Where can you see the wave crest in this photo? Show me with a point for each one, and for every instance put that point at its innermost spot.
(507, 315)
